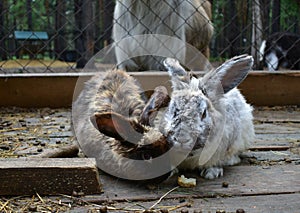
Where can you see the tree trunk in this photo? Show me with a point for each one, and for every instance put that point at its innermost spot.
(14, 18)
(3, 53)
(220, 43)
(104, 22)
(79, 46)
(108, 16)
(88, 28)
(84, 42)
(265, 5)
(98, 25)
(233, 30)
(276, 16)
(60, 22)
(29, 14)
(256, 32)
(47, 6)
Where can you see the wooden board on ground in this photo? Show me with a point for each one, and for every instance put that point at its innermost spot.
(271, 116)
(277, 128)
(252, 204)
(242, 181)
(49, 176)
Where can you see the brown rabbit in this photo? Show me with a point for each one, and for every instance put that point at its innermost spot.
(106, 122)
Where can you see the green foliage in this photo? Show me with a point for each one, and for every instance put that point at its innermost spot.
(40, 10)
(289, 14)
(218, 15)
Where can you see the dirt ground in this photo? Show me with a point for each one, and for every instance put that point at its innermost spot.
(35, 66)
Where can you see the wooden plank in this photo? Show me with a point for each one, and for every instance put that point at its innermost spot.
(56, 90)
(269, 148)
(272, 89)
(49, 176)
(277, 116)
(68, 151)
(275, 138)
(277, 128)
(242, 180)
(37, 91)
(253, 204)
(280, 140)
(272, 156)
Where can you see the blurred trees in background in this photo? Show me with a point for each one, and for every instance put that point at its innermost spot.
(84, 26)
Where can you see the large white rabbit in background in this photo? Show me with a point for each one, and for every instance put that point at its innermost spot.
(187, 20)
(209, 116)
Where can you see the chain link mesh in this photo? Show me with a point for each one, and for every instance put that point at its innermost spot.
(61, 36)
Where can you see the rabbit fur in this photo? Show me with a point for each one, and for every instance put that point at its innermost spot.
(105, 119)
(188, 20)
(209, 111)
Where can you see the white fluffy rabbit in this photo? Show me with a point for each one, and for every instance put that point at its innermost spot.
(208, 119)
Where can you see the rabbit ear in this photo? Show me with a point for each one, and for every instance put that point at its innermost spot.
(117, 126)
(177, 73)
(158, 100)
(230, 74)
(174, 67)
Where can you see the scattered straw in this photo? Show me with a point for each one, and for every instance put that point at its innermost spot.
(162, 197)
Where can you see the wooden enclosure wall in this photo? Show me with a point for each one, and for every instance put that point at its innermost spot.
(56, 90)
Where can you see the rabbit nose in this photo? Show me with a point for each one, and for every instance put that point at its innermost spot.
(170, 133)
(171, 137)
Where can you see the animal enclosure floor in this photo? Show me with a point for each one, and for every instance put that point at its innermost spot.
(267, 180)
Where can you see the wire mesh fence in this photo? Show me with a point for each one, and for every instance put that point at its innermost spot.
(61, 36)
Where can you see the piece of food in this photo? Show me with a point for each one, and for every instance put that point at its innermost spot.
(186, 182)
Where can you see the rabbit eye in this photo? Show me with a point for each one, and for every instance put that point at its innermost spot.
(204, 91)
(175, 112)
(146, 156)
(204, 114)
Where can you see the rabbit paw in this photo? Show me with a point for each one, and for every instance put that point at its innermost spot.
(211, 173)
(173, 172)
